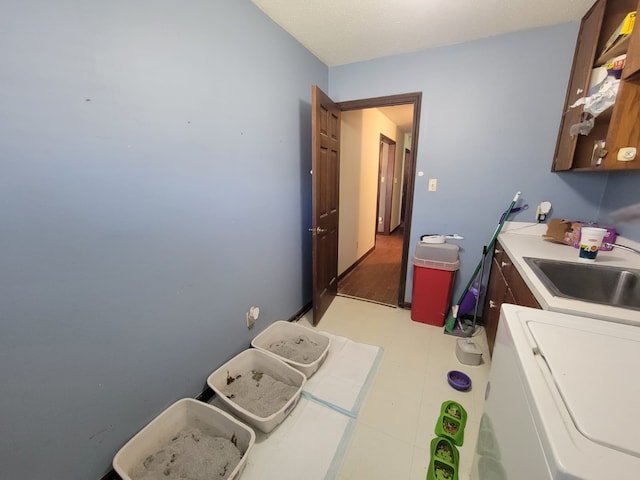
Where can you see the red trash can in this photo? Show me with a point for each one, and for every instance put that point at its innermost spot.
(432, 285)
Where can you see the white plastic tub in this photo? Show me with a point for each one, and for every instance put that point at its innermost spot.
(444, 252)
(185, 413)
(281, 330)
(253, 359)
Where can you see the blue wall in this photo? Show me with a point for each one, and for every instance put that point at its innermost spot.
(154, 185)
(623, 189)
(489, 121)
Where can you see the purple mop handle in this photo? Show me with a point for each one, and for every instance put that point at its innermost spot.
(513, 210)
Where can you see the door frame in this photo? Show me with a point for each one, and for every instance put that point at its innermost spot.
(415, 99)
(388, 186)
(405, 179)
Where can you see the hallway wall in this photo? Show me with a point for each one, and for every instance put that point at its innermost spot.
(359, 160)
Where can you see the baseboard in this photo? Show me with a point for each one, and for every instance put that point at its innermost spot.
(356, 263)
(300, 313)
(111, 475)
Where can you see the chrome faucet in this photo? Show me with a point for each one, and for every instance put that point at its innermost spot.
(623, 247)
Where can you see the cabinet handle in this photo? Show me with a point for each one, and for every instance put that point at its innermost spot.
(492, 304)
(498, 251)
(505, 264)
(579, 91)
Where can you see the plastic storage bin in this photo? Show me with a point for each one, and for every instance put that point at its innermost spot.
(434, 268)
(254, 359)
(282, 330)
(185, 413)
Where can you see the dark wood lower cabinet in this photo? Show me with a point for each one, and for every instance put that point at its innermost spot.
(505, 286)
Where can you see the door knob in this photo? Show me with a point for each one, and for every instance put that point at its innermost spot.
(318, 230)
(492, 304)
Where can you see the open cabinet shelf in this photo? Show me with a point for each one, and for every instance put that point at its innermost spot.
(619, 126)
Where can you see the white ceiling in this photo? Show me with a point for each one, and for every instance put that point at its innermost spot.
(346, 31)
(401, 115)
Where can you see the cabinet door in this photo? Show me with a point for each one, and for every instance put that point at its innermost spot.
(624, 128)
(495, 295)
(578, 84)
(521, 293)
(632, 63)
(504, 262)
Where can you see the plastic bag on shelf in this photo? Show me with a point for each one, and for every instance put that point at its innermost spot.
(582, 128)
(603, 99)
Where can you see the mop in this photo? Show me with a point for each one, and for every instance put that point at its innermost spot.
(471, 293)
(470, 302)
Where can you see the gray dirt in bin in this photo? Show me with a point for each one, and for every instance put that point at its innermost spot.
(300, 348)
(193, 455)
(258, 393)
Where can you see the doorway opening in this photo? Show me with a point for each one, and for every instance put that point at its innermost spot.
(377, 165)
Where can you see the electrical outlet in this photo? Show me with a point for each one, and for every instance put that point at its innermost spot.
(433, 184)
(627, 154)
(252, 316)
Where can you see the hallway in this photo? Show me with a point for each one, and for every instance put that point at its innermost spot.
(377, 277)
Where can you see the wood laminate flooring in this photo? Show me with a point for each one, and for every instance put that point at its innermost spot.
(377, 277)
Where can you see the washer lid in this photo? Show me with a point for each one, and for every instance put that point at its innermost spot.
(596, 375)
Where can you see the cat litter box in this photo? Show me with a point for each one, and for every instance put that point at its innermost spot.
(302, 348)
(151, 447)
(269, 382)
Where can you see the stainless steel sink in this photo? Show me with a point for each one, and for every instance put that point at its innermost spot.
(619, 287)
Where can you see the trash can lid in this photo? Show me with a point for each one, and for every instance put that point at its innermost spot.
(439, 252)
(449, 266)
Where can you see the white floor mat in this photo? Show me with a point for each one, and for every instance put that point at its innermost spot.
(343, 380)
(311, 442)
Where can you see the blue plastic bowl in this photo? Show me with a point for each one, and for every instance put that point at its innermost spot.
(458, 380)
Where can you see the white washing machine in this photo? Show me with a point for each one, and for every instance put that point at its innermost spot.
(563, 400)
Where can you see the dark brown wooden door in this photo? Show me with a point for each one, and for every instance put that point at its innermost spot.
(325, 161)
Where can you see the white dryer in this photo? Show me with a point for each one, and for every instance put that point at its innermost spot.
(562, 401)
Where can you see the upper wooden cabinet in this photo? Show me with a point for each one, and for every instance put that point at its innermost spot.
(619, 126)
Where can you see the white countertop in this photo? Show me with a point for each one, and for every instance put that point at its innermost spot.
(525, 240)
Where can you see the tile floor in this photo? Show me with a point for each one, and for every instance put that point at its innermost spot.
(396, 422)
